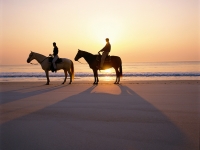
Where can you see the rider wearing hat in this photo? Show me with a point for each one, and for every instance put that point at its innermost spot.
(105, 51)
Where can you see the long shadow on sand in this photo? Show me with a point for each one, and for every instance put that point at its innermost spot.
(14, 95)
(95, 121)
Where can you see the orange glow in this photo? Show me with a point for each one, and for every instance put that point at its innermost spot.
(139, 31)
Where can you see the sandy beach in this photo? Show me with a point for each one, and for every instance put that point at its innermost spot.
(136, 115)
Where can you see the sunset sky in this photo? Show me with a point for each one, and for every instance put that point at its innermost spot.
(139, 30)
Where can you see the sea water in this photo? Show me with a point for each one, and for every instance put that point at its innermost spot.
(184, 70)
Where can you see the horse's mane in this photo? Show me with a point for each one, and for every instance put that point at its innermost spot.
(39, 54)
(88, 54)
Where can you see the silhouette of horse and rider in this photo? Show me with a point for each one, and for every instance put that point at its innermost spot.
(53, 63)
(96, 62)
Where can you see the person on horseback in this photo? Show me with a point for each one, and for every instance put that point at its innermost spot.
(55, 55)
(106, 51)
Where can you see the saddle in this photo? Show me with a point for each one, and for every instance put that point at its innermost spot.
(59, 60)
(107, 59)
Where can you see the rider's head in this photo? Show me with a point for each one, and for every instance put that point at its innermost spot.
(54, 43)
(107, 39)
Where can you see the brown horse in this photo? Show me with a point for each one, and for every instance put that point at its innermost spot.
(66, 64)
(93, 61)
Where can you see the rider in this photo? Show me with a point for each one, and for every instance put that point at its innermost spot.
(55, 54)
(105, 51)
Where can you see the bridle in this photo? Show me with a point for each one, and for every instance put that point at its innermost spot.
(79, 61)
(39, 62)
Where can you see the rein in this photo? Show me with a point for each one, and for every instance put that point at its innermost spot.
(43, 60)
(81, 62)
(33, 64)
(39, 62)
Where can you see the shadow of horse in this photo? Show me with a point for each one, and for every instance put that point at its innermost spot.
(95, 120)
(14, 95)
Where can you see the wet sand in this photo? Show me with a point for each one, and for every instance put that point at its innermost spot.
(133, 115)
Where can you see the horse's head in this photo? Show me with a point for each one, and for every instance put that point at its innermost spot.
(78, 55)
(30, 57)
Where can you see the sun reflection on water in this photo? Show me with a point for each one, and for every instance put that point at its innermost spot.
(108, 78)
(108, 73)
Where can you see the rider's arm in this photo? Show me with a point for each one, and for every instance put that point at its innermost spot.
(103, 49)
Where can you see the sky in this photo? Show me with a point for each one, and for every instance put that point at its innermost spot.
(139, 30)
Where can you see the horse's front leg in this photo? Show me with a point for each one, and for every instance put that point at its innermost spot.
(47, 75)
(96, 79)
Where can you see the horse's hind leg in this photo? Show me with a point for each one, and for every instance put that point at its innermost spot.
(118, 79)
(70, 74)
(117, 76)
(65, 71)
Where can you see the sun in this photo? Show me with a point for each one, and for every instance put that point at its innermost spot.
(106, 28)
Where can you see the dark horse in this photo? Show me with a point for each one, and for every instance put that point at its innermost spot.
(94, 60)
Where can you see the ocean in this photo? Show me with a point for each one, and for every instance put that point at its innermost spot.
(184, 70)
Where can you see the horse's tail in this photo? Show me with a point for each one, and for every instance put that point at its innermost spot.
(120, 69)
(72, 69)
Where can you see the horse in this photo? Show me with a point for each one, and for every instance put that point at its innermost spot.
(93, 61)
(45, 62)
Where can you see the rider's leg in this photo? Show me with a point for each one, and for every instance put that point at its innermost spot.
(103, 57)
(54, 60)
